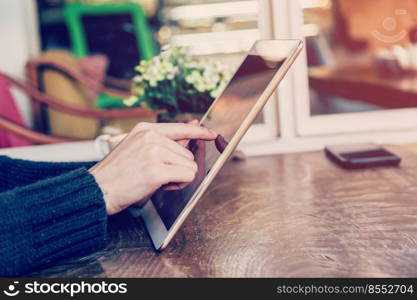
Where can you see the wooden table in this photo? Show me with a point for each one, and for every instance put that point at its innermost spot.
(365, 83)
(285, 216)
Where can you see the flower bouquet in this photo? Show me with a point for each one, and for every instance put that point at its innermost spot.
(177, 82)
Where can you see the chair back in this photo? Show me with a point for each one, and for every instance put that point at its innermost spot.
(52, 80)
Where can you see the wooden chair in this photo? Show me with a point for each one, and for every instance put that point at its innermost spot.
(38, 98)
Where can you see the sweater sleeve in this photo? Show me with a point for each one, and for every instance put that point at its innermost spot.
(19, 172)
(50, 220)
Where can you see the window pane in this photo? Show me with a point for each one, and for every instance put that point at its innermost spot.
(362, 55)
(219, 30)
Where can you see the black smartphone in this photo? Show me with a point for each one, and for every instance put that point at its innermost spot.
(361, 156)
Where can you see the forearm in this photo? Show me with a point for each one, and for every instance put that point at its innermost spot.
(50, 220)
(17, 172)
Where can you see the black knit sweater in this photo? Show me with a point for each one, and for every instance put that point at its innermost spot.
(48, 212)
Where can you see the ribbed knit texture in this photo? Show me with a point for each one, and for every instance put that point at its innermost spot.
(48, 212)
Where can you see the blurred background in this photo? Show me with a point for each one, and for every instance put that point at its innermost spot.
(67, 66)
(353, 45)
(223, 28)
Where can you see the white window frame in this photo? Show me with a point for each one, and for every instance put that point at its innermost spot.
(299, 131)
(269, 129)
(352, 122)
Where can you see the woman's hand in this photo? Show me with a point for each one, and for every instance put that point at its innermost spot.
(147, 158)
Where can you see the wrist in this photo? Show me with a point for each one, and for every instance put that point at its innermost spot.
(104, 187)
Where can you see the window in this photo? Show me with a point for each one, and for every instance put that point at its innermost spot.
(223, 30)
(320, 106)
(354, 84)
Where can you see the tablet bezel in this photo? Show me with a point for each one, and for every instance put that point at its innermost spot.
(158, 232)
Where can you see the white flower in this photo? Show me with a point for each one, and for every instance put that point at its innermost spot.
(193, 77)
(166, 47)
(156, 61)
(138, 78)
(130, 101)
(153, 82)
(214, 94)
(166, 54)
(174, 64)
(146, 76)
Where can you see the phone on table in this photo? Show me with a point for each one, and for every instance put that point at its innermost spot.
(361, 156)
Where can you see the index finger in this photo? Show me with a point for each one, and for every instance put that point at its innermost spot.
(182, 131)
(184, 143)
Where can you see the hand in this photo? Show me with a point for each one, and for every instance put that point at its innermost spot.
(145, 160)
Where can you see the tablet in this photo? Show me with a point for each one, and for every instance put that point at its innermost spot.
(230, 115)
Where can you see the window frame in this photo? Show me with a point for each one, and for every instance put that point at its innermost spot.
(267, 131)
(299, 131)
(308, 125)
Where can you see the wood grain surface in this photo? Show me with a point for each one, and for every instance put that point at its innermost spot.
(365, 83)
(293, 215)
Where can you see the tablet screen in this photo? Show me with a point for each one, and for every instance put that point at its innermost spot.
(225, 116)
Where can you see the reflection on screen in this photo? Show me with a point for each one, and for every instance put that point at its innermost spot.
(225, 117)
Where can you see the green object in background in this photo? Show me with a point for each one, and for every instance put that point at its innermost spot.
(106, 101)
(74, 12)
